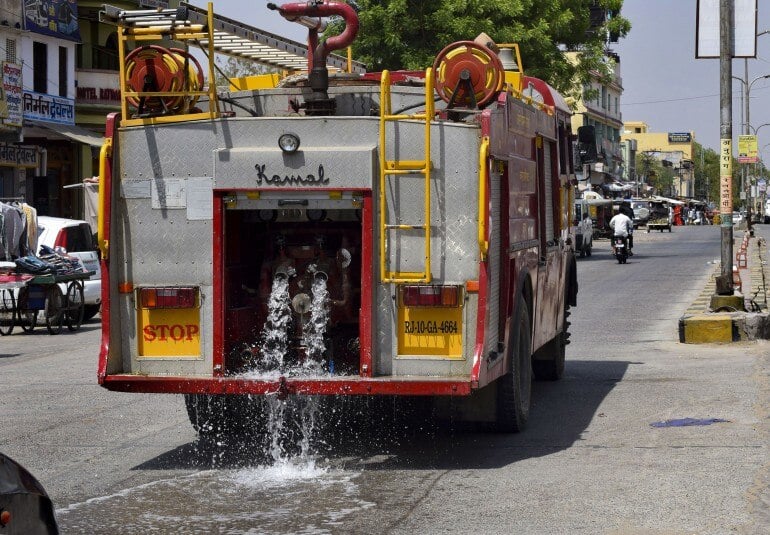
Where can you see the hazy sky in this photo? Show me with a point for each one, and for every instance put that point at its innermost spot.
(664, 85)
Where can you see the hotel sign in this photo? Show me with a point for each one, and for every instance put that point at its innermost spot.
(48, 108)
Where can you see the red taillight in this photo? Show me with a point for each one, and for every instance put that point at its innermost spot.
(430, 296)
(168, 297)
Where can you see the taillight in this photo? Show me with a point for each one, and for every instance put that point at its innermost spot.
(430, 296)
(176, 297)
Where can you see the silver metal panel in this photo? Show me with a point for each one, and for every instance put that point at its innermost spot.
(166, 249)
(312, 167)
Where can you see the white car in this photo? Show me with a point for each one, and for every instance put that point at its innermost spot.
(75, 237)
(737, 218)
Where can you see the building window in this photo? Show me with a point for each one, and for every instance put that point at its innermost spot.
(10, 50)
(605, 100)
(63, 72)
(40, 67)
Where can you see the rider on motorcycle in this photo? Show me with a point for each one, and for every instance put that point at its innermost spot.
(623, 226)
(625, 208)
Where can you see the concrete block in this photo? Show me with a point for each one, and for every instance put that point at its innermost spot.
(707, 329)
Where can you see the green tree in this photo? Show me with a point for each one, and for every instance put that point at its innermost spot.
(232, 67)
(706, 162)
(408, 34)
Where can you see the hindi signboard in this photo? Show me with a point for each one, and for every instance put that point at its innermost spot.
(12, 87)
(48, 108)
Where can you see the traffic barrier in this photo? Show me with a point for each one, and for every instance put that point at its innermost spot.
(741, 259)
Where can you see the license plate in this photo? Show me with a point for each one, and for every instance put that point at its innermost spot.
(430, 332)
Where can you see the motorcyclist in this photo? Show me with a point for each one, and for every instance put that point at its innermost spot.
(625, 208)
(622, 226)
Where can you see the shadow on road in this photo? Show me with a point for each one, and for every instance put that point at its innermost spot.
(561, 412)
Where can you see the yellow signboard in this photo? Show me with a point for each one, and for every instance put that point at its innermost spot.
(430, 332)
(747, 149)
(169, 332)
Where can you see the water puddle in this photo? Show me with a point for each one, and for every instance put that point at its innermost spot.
(287, 497)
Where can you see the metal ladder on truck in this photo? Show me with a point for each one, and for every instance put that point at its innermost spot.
(404, 168)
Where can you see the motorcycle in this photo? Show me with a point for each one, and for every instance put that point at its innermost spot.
(620, 246)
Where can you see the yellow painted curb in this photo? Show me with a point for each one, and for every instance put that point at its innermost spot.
(706, 329)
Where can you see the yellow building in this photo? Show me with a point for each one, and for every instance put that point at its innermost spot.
(674, 148)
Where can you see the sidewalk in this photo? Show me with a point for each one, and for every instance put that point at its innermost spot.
(700, 325)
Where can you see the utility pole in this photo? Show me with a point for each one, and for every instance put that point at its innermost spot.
(724, 282)
(747, 130)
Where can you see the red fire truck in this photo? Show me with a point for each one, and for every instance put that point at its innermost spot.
(328, 231)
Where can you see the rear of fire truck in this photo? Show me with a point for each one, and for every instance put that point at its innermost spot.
(329, 235)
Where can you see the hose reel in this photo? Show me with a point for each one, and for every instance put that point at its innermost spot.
(154, 68)
(468, 74)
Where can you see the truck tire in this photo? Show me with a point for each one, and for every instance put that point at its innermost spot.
(548, 361)
(514, 389)
(214, 415)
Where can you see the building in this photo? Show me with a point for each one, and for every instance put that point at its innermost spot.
(673, 149)
(600, 107)
(19, 159)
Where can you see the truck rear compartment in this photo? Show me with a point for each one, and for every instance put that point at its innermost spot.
(291, 288)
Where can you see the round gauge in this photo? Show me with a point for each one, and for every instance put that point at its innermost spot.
(344, 258)
(301, 303)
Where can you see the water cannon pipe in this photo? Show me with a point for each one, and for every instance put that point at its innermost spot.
(319, 75)
(293, 12)
(320, 275)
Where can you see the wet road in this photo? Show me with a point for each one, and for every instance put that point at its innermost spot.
(589, 463)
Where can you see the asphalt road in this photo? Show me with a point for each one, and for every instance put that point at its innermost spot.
(590, 461)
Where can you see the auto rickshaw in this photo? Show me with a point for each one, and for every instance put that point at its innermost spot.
(659, 216)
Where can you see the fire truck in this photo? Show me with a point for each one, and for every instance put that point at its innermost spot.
(327, 231)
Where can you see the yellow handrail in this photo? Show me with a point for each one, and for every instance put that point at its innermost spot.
(384, 112)
(103, 242)
(483, 175)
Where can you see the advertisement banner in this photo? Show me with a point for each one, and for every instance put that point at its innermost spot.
(12, 90)
(57, 18)
(747, 149)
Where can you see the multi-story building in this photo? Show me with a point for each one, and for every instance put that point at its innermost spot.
(673, 149)
(600, 107)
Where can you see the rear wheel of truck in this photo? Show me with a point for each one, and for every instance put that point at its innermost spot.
(212, 415)
(548, 361)
(514, 389)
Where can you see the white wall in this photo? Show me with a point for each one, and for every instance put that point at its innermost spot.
(53, 63)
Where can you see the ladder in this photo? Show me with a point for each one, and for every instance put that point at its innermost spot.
(404, 168)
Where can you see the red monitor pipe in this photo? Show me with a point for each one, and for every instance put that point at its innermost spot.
(319, 76)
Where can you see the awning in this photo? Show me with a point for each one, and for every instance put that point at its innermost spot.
(71, 131)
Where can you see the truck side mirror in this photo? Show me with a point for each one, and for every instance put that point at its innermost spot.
(587, 152)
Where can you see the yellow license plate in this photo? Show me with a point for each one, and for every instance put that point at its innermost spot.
(430, 332)
(172, 332)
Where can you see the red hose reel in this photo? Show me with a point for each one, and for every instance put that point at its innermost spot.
(156, 69)
(468, 74)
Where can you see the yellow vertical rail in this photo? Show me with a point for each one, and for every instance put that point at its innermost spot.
(213, 99)
(383, 206)
(122, 74)
(483, 176)
(103, 243)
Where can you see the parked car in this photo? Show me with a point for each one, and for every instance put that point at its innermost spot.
(74, 237)
(737, 218)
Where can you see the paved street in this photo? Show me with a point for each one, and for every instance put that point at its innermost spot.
(589, 463)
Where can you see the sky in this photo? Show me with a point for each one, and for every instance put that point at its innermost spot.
(663, 84)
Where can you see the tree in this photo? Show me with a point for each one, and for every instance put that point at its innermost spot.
(408, 34)
(233, 67)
